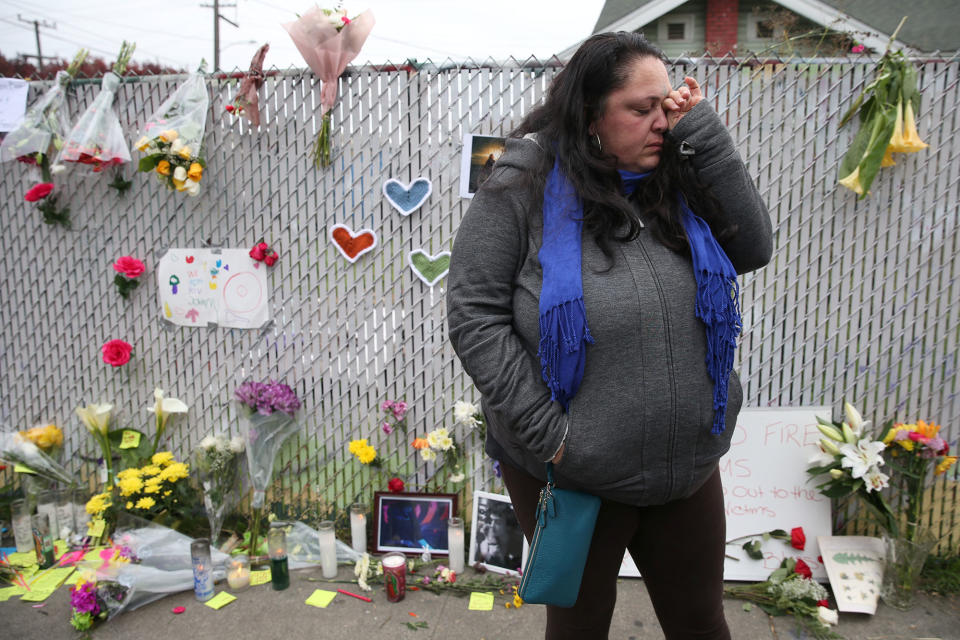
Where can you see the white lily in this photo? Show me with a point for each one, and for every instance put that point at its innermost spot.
(875, 479)
(95, 417)
(163, 408)
(860, 457)
(854, 419)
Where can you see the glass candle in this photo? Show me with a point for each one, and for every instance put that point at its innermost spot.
(202, 569)
(455, 540)
(358, 528)
(22, 527)
(328, 549)
(395, 575)
(42, 540)
(47, 503)
(279, 570)
(80, 515)
(238, 572)
(65, 520)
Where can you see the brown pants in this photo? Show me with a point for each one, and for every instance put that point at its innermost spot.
(678, 547)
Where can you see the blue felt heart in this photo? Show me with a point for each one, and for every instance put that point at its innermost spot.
(407, 199)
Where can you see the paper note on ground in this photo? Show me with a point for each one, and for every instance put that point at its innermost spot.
(51, 579)
(481, 601)
(200, 286)
(321, 598)
(259, 577)
(855, 567)
(10, 592)
(220, 600)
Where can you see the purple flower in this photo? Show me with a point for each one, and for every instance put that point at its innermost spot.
(83, 599)
(496, 468)
(386, 406)
(387, 429)
(399, 410)
(267, 397)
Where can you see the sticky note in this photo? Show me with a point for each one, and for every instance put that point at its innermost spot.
(95, 527)
(19, 468)
(220, 600)
(37, 595)
(22, 558)
(481, 601)
(10, 592)
(51, 579)
(130, 440)
(321, 598)
(259, 577)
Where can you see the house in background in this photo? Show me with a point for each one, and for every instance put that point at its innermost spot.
(741, 27)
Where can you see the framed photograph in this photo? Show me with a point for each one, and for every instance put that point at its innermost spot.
(496, 540)
(480, 154)
(409, 522)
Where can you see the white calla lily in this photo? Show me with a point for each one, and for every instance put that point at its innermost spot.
(163, 408)
(95, 417)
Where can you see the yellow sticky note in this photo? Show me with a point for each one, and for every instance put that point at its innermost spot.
(50, 580)
(259, 577)
(95, 527)
(19, 468)
(37, 595)
(481, 601)
(220, 600)
(321, 598)
(131, 439)
(22, 558)
(10, 592)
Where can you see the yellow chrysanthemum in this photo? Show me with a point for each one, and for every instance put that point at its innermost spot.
(129, 505)
(145, 503)
(98, 504)
(175, 471)
(356, 446)
(367, 455)
(166, 493)
(151, 487)
(151, 470)
(163, 458)
(129, 486)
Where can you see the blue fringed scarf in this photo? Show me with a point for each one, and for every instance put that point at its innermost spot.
(564, 333)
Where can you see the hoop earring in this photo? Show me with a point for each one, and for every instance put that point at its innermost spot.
(599, 146)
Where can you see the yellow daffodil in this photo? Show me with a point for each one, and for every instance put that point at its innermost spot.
(95, 417)
(195, 172)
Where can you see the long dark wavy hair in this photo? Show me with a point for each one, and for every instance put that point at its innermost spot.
(575, 100)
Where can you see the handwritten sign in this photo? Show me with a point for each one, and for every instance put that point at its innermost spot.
(130, 440)
(13, 102)
(765, 487)
(201, 286)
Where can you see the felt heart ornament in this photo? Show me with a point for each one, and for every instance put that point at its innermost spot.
(430, 269)
(352, 245)
(407, 198)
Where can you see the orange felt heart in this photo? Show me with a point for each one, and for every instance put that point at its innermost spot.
(352, 246)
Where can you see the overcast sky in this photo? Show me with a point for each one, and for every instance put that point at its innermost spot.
(180, 33)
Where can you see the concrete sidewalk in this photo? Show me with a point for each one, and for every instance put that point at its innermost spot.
(260, 612)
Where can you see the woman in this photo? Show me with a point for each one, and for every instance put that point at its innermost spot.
(593, 302)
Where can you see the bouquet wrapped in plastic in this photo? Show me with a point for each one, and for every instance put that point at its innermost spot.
(96, 139)
(247, 101)
(173, 135)
(328, 41)
(219, 461)
(39, 137)
(17, 449)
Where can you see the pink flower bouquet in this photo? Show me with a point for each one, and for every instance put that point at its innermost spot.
(328, 41)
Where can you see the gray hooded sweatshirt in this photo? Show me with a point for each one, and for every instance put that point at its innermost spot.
(638, 429)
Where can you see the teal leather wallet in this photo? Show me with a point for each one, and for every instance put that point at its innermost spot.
(561, 541)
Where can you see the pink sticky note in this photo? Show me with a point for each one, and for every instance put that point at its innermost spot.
(72, 558)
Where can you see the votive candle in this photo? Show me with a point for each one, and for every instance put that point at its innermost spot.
(279, 570)
(358, 528)
(238, 572)
(328, 550)
(202, 569)
(455, 540)
(395, 575)
(22, 527)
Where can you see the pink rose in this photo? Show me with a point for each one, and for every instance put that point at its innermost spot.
(116, 352)
(858, 49)
(38, 192)
(129, 266)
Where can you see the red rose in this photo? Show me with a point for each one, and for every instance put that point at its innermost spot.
(803, 569)
(116, 352)
(395, 485)
(823, 603)
(38, 192)
(129, 266)
(271, 259)
(257, 253)
(263, 246)
(797, 539)
(229, 108)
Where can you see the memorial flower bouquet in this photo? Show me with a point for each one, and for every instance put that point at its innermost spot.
(22, 448)
(219, 460)
(96, 139)
(93, 601)
(328, 40)
(790, 591)
(247, 101)
(848, 465)
(394, 416)
(173, 135)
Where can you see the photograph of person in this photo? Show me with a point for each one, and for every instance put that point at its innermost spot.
(480, 154)
(496, 539)
(413, 522)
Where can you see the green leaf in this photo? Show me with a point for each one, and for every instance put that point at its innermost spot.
(130, 457)
(852, 558)
(752, 549)
(747, 606)
(149, 163)
(779, 534)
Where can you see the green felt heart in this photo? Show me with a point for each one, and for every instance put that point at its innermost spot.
(429, 268)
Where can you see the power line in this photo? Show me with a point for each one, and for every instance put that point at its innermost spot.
(36, 30)
(217, 17)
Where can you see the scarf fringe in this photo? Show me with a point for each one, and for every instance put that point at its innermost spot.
(563, 326)
(718, 306)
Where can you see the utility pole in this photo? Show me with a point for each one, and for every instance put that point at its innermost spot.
(217, 17)
(36, 29)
